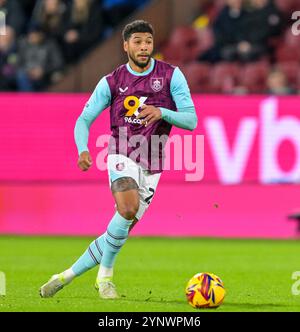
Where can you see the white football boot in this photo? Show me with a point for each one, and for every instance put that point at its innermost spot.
(55, 284)
(106, 289)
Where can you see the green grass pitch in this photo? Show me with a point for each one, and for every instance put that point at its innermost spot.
(151, 274)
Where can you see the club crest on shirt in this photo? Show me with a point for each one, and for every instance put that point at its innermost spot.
(120, 166)
(156, 84)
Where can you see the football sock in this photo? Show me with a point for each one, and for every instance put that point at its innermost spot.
(91, 257)
(116, 236)
(67, 276)
(105, 273)
(105, 248)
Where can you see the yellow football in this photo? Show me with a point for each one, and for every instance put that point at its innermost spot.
(205, 290)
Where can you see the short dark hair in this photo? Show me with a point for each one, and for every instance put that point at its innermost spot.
(136, 26)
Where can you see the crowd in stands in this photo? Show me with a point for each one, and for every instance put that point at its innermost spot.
(41, 37)
(234, 46)
(239, 47)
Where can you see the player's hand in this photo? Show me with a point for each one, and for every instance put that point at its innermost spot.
(149, 114)
(85, 161)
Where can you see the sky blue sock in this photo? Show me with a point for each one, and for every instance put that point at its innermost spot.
(116, 236)
(91, 257)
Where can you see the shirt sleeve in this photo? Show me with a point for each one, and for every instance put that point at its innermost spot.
(97, 103)
(186, 117)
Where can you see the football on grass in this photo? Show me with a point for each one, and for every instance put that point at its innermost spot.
(205, 290)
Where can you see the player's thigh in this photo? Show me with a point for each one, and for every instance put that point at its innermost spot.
(125, 190)
(126, 195)
(147, 189)
(124, 184)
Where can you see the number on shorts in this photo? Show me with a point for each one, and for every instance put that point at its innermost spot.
(148, 199)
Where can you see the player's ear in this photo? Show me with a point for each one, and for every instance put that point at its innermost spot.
(125, 46)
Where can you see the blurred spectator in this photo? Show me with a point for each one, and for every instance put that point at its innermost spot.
(50, 16)
(267, 15)
(277, 84)
(114, 11)
(228, 33)
(242, 35)
(8, 60)
(262, 14)
(14, 15)
(40, 61)
(83, 28)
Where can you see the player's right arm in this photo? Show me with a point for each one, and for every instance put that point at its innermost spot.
(98, 102)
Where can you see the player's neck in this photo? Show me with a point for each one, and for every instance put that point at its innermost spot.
(138, 69)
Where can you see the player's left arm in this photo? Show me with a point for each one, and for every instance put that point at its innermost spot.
(186, 116)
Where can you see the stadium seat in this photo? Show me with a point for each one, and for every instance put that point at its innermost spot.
(290, 39)
(292, 72)
(187, 43)
(287, 53)
(287, 6)
(183, 45)
(253, 76)
(198, 76)
(224, 77)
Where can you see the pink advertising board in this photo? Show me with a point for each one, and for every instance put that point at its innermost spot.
(251, 170)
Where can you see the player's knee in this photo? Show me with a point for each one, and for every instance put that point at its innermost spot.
(128, 211)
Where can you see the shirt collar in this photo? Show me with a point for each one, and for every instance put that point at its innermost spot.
(148, 71)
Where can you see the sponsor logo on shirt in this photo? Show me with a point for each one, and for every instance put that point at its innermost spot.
(132, 105)
(123, 90)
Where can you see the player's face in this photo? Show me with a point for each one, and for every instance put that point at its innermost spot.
(139, 48)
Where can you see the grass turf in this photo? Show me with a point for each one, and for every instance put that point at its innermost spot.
(151, 274)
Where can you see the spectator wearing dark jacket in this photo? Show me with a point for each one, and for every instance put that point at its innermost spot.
(50, 16)
(40, 61)
(83, 28)
(262, 22)
(242, 35)
(228, 32)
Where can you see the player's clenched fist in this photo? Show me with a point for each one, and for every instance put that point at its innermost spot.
(85, 161)
(149, 114)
